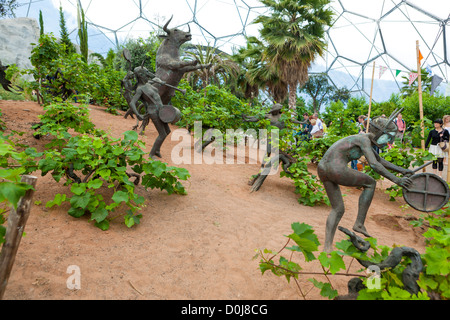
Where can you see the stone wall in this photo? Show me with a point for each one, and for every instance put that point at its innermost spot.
(16, 36)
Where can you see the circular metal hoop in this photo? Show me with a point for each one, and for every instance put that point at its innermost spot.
(427, 193)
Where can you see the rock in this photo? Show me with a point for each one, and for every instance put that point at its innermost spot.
(16, 36)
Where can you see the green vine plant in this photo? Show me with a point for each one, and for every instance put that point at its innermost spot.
(13, 164)
(433, 280)
(308, 186)
(91, 163)
(61, 116)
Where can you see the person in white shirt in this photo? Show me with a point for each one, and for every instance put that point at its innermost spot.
(319, 122)
(317, 130)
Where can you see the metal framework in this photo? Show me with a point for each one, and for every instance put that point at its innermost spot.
(380, 31)
(385, 32)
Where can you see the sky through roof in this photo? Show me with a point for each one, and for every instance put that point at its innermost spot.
(365, 32)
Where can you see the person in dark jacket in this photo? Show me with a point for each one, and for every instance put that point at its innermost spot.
(438, 134)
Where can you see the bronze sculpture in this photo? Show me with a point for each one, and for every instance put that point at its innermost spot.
(148, 94)
(274, 116)
(155, 97)
(410, 274)
(5, 83)
(333, 171)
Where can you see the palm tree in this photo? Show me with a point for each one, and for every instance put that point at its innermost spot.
(223, 69)
(257, 72)
(294, 33)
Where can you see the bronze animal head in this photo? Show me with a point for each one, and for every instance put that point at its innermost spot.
(176, 35)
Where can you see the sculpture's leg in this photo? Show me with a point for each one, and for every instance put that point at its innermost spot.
(166, 128)
(365, 199)
(257, 183)
(143, 125)
(163, 130)
(207, 143)
(337, 211)
(136, 126)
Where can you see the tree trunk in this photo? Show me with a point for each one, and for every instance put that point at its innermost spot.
(292, 95)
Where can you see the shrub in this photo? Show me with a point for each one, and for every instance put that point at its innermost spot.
(90, 163)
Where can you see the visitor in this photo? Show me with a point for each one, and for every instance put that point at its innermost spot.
(401, 127)
(306, 127)
(316, 132)
(446, 126)
(319, 122)
(435, 136)
(446, 122)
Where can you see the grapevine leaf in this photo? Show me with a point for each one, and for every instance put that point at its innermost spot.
(103, 225)
(78, 188)
(120, 196)
(131, 136)
(95, 184)
(59, 198)
(13, 191)
(80, 201)
(325, 289)
(76, 212)
(99, 214)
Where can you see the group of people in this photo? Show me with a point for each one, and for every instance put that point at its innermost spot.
(440, 133)
(311, 127)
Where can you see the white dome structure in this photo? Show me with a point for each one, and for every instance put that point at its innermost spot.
(384, 32)
(219, 23)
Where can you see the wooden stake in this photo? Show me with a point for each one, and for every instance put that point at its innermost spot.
(370, 101)
(448, 166)
(419, 78)
(16, 224)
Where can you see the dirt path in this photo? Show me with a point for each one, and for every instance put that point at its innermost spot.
(198, 246)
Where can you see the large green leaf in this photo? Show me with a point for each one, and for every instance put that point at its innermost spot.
(99, 214)
(325, 289)
(120, 196)
(131, 136)
(78, 188)
(80, 201)
(13, 191)
(95, 183)
(333, 261)
(306, 240)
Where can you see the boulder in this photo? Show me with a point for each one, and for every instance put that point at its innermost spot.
(16, 36)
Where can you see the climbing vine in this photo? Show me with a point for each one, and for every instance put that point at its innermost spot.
(90, 163)
(433, 281)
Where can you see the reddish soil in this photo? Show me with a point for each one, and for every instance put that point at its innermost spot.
(198, 246)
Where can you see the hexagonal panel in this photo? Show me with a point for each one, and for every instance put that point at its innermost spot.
(380, 31)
